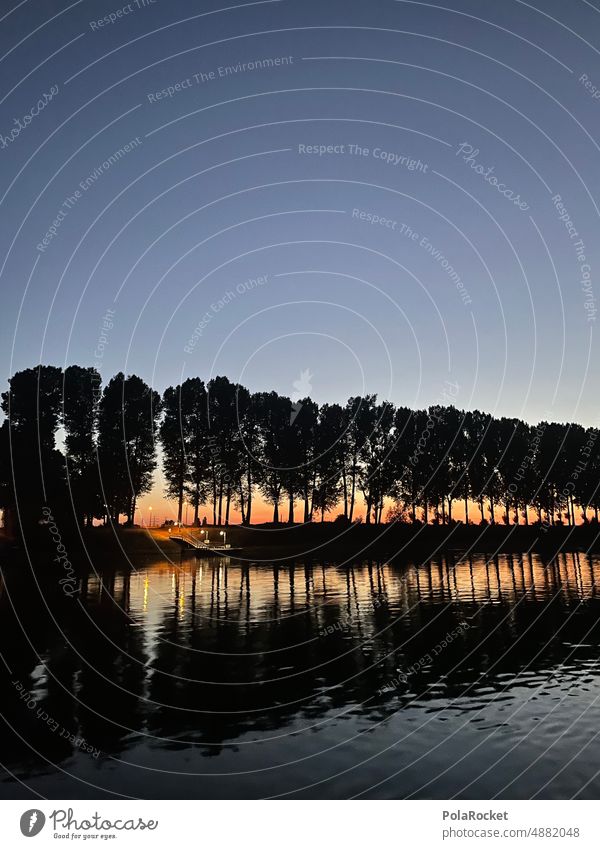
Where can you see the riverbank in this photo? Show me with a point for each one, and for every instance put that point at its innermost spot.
(329, 540)
(105, 547)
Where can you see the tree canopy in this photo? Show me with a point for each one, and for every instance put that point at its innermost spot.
(221, 445)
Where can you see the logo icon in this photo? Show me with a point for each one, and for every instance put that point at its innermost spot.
(32, 822)
(302, 387)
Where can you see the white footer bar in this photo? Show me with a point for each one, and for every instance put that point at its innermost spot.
(301, 824)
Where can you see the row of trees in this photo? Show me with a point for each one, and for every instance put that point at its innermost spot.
(222, 445)
(108, 454)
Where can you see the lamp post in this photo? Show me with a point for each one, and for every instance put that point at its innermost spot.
(224, 535)
(150, 520)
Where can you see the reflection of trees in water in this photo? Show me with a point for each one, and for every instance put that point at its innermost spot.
(211, 652)
(88, 677)
(111, 684)
(330, 639)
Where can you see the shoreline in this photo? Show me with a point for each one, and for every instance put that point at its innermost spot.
(399, 542)
(328, 541)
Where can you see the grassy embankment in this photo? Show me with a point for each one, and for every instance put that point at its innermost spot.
(99, 548)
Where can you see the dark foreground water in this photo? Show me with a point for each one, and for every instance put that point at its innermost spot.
(475, 678)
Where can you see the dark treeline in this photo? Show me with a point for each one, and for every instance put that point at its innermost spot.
(222, 445)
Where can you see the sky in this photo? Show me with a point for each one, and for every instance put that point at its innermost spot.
(387, 197)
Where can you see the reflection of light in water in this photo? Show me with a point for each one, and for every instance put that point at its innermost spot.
(322, 656)
(181, 592)
(264, 593)
(39, 679)
(501, 579)
(196, 586)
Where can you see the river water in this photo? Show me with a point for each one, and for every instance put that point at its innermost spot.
(472, 678)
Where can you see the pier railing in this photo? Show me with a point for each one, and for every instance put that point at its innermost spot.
(194, 540)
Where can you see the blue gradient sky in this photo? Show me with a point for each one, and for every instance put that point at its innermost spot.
(217, 192)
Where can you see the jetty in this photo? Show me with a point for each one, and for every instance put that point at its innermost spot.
(198, 541)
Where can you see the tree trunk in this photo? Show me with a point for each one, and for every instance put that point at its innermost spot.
(220, 512)
(466, 510)
(352, 492)
(306, 503)
(214, 499)
(242, 503)
(291, 508)
(227, 505)
(180, 505)
(276, 512)
(249, 497)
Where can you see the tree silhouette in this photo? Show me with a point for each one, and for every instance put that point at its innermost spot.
(403, 488)
(128, 417)
(194, 428)
(248, 451)
(377, 469)
(297, 444)
(327, 467)
(33, 467)
(357, 427)
(80, 421)
(184, 438)
(220, 445)
(274, 413)
(173, 440)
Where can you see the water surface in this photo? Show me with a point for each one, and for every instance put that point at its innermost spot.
(473, 678)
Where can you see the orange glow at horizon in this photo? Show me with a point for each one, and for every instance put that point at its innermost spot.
(262, 512)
